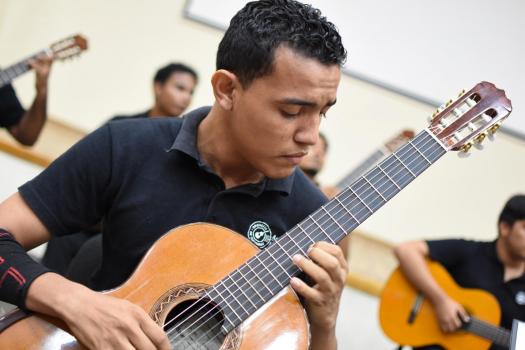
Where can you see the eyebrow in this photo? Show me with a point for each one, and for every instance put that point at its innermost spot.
(298, 101)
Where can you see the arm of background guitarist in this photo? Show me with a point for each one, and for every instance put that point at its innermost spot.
(411, 256)
(108, 322)
(28, 129)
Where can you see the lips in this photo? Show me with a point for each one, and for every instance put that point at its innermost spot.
(295, 158)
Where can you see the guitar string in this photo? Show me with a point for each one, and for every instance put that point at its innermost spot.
(423, 158)
(396, 166)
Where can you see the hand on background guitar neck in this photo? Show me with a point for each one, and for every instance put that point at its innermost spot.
(42, 66)
(450, 314)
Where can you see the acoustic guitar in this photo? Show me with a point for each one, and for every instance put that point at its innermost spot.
(243, 299)
(66, 48)
(409, 319)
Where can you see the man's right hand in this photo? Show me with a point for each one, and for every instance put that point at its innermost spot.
(450, 314)
(97, 320)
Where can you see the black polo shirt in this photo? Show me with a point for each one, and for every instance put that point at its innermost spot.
(476, 265)
(11, 111)
(144, 177)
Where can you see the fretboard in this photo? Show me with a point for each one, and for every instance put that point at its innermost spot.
(249, 287)
(360, 169)
(8, 74)
(498, 335)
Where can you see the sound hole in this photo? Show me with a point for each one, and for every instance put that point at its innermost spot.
(195, 324)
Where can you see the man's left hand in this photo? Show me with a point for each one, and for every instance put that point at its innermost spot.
(328, 269)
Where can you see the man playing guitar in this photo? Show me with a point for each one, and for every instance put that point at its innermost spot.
(234, 164)
(25, 126)
(497, 267)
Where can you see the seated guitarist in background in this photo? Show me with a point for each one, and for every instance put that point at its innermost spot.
(25, 126)
(173, 87)
(497, 267)
(234, 164)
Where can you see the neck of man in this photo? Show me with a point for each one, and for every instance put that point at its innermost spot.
(158, 111)
(514, 266)
(219, 151)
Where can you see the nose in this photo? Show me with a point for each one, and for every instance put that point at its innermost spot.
(308, 131)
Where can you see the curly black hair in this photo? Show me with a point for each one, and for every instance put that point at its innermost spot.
(257, 30)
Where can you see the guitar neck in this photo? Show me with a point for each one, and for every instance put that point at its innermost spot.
(497, 335)
(249, 287)
(8, 74)
(360, 169)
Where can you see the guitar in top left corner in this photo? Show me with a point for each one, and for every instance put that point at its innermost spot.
(65, 48)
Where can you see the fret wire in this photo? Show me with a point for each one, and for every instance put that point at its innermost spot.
(257, 275)
(333, 219)
(229, 306)
(277, 260)
(388, 176)
(322, 229)
(375, 189)
(242, 291)
(360, 199)
(300, 249)
(403, 164)
(422, 155)
(305, 233)
(263, 265)
(345, 208)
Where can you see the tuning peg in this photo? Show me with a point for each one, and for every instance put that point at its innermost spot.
(479, 139)
(492, 130)
(448, 103)
(461, 93)
(466, 147)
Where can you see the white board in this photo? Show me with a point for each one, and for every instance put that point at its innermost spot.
(428, 50)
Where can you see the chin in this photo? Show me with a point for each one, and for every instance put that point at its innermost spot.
(279, 173)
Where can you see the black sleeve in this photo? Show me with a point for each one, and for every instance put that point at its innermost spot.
(11, 111)
(17, 270)
(73, 193)
(450, 252)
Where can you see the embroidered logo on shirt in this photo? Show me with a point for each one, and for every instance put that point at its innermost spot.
(260, 233)
(520, 298)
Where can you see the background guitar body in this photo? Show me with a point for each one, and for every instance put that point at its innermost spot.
(207, 254)
(398, 299)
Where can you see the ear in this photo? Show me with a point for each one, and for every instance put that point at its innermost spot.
(225, 86)
(157, 88)
(504, 229)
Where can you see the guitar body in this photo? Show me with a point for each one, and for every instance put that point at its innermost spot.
(207, 253)
(398, 298)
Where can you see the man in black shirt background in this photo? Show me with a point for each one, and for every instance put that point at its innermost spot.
(497, 267)
(173, 87)
(25, 126)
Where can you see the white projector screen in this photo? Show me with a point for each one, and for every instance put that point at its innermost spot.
(428, 50)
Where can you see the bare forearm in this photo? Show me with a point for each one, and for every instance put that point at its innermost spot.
(323, 339)
(414, 266)
(51, 293)
(28, 129)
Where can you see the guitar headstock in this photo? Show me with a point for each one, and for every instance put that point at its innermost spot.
(399, 140)
(69, 47)
(471, 117)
